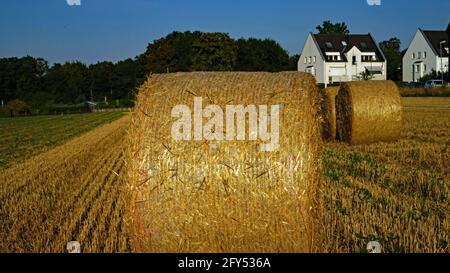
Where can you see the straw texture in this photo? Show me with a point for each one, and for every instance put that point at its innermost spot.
(224, 196)
(368, 112)
(329, 113)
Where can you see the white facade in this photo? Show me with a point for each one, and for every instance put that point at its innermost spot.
(420, 59)
(330, 68)
(312, 60)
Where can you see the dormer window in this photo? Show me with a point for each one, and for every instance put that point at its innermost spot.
(333, 58)
(367, 58)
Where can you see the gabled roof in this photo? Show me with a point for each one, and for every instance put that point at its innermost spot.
(434, 38)
(343, 43)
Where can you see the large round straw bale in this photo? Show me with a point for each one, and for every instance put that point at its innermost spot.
(368, 112)
(329, 113)
(198, 195)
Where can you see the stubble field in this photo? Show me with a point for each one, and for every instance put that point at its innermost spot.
(76, 191)
(395, 193)
(76, 188)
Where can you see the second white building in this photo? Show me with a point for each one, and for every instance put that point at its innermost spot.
(428, 51)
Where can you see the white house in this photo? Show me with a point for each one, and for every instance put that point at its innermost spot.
(338, 57)
(428, 51)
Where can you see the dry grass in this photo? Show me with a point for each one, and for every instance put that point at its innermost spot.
(397, 193)
(422, 92)
(75, 191)
(229, 197)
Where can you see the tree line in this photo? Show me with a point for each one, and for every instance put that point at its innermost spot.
(35, 82)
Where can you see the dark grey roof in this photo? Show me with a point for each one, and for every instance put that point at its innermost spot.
(343, 43)
(434, 38)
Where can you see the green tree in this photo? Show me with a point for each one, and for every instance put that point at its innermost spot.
(55, 83)
(172, 53)
(103, 79)
(261, 55)
(75, 77)
(391, 50)
(7, 79)
(18, 107)
(26, 77)
(365, 76)
(293, 62)
(433, 75)
(328, 27)
(214, 52)
(126, 78)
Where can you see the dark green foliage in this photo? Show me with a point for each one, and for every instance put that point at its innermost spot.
(431, 76)
(263, 55)
(391, 50)
(18, 108)
(329, 28)
(65, 87)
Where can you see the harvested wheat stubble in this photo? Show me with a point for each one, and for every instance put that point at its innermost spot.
(368, 112)
(75, 191)
(201, 196)
(329, 113)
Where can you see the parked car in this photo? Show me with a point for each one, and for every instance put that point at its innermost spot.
(433, 83)
(414, 85)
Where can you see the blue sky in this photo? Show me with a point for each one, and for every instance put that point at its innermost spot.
(118, 29)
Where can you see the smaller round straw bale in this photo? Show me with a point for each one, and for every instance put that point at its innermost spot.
(368, 112)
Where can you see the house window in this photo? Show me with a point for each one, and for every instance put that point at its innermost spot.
(363, 44)
(417, 68)
(354, 60)
(304, 61)
(424, 67)
(309, 59)
(366, 58)
(424, 54)
(329, 45)
(314, 59)
(414, 55)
